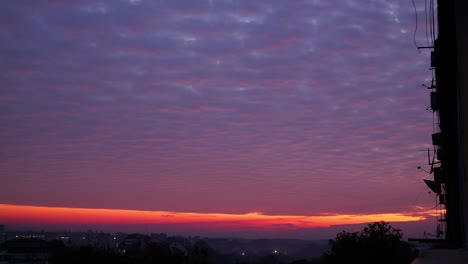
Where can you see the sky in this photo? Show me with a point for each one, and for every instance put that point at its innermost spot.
(263, 109)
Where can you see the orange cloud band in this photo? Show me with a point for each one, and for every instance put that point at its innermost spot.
(22, 214)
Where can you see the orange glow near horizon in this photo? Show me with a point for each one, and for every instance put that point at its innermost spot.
(24, 214)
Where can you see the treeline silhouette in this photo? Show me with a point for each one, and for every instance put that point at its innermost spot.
(377, 243)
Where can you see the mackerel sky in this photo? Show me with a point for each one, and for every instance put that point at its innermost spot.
(296, 107)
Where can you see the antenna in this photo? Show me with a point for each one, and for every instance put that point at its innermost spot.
(429, 162)
(428, 157)
(421, 169)
(432, 162)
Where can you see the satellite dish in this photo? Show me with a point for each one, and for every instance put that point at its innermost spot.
(434, 186)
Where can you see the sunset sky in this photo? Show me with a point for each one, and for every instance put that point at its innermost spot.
(254, 113)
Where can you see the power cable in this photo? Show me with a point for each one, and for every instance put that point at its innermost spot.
(416, 26)
(425, 13)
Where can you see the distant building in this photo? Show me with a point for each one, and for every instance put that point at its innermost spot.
(177, 248)
(158, 237)
(2, 234)
(26, 250)
(135, 243)
(3, 257)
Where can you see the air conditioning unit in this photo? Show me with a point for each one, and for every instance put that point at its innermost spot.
(433, 59)
(438, 175)
(437, 139)
(442, 199)
(434, 102)
(440, 154)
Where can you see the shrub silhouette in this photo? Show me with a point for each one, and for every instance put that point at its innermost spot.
(377, 243)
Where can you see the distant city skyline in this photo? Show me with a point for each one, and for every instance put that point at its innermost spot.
(218, 107)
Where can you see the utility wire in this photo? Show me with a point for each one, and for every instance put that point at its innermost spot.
(433, 22)
(430, 23)
(427, 24)
(416, 26)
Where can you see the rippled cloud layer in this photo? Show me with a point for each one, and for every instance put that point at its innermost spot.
(280, 107)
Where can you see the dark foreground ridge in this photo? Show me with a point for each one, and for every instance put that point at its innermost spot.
(377, 243)
(100, 247)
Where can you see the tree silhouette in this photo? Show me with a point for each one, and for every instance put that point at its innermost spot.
(377, 243)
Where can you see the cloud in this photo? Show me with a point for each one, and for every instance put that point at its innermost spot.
(22, 214)
(286, 108)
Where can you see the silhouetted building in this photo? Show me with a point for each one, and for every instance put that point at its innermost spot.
(158, 237)
(135, 243)
(449, 100)
(26, 250)
(3, 236)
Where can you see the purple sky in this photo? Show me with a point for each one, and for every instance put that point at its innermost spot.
(281, 107)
